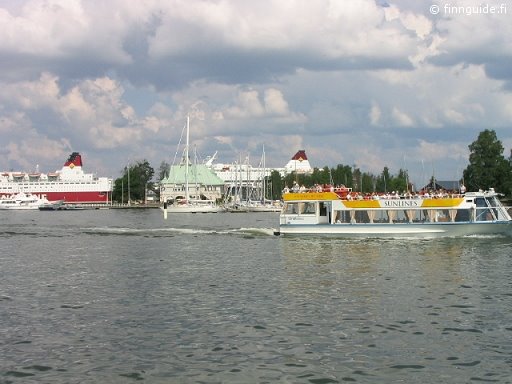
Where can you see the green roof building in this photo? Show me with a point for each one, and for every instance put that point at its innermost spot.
(203, 183)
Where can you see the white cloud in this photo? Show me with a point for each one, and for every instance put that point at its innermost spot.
(248, 104)
(275, 102)
(375, 114)
(61, 29)
(253, 104)
(401, 118)
(339, 79)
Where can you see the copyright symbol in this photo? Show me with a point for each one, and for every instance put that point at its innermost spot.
(434, 9)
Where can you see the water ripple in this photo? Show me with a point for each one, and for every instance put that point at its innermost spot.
(123, 297)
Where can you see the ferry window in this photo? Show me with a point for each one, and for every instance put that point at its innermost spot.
(480, 202)
(291, 208)
(492, 201)
(463, 215)
(307, 208)
(483, 213)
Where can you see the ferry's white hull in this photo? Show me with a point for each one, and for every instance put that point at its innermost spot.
(398, 230)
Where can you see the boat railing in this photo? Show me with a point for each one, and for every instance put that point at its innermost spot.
(347, 194)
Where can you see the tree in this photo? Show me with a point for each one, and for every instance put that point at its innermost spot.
(488, 167)
(383, 181)
(342, 175)
(139, 176)
(276, 185)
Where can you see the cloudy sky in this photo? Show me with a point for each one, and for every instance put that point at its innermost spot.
(404, 84)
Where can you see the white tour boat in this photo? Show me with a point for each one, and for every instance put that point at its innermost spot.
(23, 201)
(340, 213)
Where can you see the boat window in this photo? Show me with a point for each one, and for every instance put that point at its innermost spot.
(482, 212)
(480, 202)
(307, 208)
(291, 208)
(323, 209)
(492, 201)
(463, 215)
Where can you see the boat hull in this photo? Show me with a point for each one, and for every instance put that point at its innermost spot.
(193, 209)
(20, 208)
(263, 209)
(398, 230)
(240, 208)
(79, 197)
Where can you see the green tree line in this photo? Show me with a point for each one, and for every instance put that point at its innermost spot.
(488, 167)
(134, 183)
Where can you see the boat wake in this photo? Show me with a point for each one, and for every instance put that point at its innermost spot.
(170, 232)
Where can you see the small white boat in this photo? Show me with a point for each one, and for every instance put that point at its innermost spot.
(264, 206)
(192, 206)
(23, 201)
(254, 206)
(340, 214)
(60, 205)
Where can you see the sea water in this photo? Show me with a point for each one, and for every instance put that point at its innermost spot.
(119, 296)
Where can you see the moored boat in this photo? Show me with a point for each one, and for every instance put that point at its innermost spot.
(341, 214)
(189, 202)
(51, 205)
(192, 206)
(23, 201)
(264, 206)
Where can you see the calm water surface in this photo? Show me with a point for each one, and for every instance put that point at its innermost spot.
(120, 296)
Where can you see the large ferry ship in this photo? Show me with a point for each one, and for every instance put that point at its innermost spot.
(70, 184)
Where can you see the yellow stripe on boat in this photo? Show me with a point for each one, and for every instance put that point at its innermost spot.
(373, 204)
(361, 204)
(322, 196)
(444, 202)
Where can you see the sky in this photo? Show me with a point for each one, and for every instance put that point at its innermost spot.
(368, 83)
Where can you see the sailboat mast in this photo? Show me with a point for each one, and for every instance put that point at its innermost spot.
(186, 161)
(263, 186)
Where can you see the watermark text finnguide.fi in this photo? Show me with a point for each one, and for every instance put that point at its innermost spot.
(468, 10)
